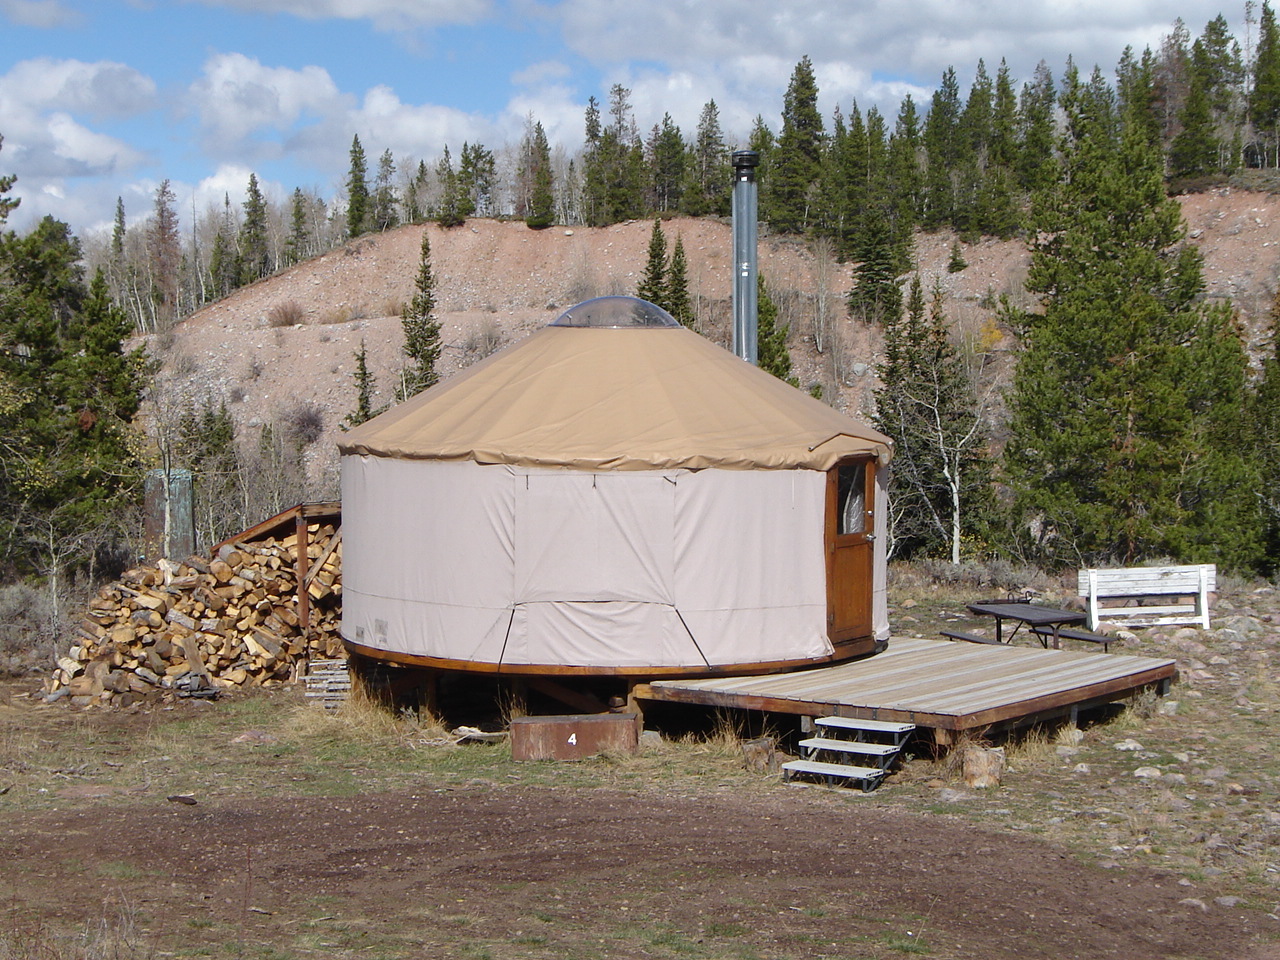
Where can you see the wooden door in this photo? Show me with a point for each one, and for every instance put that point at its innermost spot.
(850, 534)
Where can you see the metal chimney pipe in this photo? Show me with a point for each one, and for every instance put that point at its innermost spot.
(744, 255)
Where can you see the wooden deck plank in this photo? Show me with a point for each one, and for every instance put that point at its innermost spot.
(932, 683)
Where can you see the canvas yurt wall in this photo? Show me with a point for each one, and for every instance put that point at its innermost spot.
(612, 495)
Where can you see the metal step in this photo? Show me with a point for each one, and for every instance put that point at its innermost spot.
(851, 746)
(870, 777)
(874, 726)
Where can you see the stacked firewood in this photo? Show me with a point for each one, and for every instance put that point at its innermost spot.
(200, 625)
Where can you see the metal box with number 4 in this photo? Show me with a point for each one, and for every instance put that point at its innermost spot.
(573, 737)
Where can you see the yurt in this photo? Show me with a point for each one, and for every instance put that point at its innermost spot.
(613, 496)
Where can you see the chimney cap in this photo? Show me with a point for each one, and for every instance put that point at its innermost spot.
(746, 158)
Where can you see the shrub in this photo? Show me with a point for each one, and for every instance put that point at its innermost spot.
(288, 313)
(304, 423)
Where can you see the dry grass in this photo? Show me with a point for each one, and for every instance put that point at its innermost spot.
(287, 313)
(362, 721)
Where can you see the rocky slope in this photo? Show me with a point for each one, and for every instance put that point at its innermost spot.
(497, 281)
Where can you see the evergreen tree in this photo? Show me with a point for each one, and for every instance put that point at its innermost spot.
(942, 146)
(298, 246)
(876, 297)
(667, 157)
(613, 167)
(118, 264)
(365, 387)
(541, 199)
(449, 212)
(904, 175)
(1264, 98)
(1126, 385)
(1194, 152)
(385, 203)
(709, 171)
(928, 405)
(1264, 422)
(7, 203)
(255, 257)
(359, 213)
(70, 392)
(678, 301)
(796, 166)
(224, 260)
(771, 337)
(653, 284)
(421, 329)
(164, 254)
(477, 171)
(1037, 165)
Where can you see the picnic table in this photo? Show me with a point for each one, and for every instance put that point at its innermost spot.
(1050, 620)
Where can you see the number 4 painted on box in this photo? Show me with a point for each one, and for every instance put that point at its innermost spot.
(573, 739)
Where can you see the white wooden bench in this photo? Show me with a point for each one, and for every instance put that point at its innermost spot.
(1149, 596)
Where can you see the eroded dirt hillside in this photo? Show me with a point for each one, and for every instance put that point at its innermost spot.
(498, 281)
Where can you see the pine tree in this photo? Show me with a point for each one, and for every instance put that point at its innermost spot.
(1264, 98)
(298, 246)
(541, 198)
(678, 302)
(70, 391)
(796, 166)
(1194, 152)
(164, 255)
(255, 257)
(941, 139)
(1037, 165)
(477, 171)
(710, 174)
(613, 165)
(359, 214)
(667, 157)
(653, 283)
(1124, 389)
(928, 405)
(385, 203)
(876, 297)
(449, 211)
(771, 337)
(421, 329)
(7, 204)
(365, 388)
(1264, 424)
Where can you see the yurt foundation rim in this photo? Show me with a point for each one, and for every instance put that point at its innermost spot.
(851, 650)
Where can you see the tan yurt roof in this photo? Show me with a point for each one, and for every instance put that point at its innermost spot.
(609, 398)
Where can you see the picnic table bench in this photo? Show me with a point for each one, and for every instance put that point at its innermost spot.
(1149, 596)
(1067, 633)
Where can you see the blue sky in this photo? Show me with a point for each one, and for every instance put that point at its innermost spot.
(106, 98)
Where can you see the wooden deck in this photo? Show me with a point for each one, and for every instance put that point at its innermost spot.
(946, 686)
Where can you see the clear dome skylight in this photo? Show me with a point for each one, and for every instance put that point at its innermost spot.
(615, 312)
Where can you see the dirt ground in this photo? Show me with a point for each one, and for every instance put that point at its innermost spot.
(541, 873)
(519, 862)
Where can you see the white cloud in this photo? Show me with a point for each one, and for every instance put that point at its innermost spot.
(45, 140)
(875, 50)
(546, 71)
(101, 89)
(238, 97)
(45, 14)
(383, 14)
